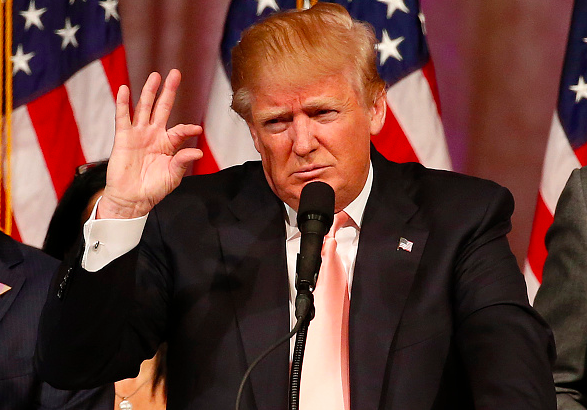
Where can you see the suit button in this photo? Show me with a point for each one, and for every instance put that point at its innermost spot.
(63, 283)
(62, 286)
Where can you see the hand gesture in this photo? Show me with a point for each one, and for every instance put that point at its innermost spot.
(147, 160)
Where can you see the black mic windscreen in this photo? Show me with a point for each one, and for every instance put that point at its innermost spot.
(316, 200)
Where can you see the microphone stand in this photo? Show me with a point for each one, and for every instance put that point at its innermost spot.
(304, 313)
(313, 223)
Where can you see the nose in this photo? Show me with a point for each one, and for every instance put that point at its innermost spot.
(303, 138)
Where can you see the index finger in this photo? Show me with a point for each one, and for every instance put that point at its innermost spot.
(164, 103)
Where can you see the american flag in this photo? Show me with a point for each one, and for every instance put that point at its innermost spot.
(405, 244)
(566, 148)
(413, 129)
(68, 62)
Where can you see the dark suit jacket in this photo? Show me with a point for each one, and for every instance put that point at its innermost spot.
(562, 298)
(445, 326)
(28, 271)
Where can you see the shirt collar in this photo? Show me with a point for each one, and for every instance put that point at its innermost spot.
(355, 209)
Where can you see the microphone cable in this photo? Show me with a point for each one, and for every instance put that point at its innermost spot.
(271, 348)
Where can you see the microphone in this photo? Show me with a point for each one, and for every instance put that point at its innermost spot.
(315, 216)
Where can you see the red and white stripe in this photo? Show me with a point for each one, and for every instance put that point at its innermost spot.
(559, 162)
(226, 140)
(413, 128)
(412, 132)
(52, 135)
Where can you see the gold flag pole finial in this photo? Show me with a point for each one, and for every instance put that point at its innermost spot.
(300, 3)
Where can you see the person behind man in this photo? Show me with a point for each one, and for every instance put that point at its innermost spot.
(562, 297)
(438, 317)
(25, 274)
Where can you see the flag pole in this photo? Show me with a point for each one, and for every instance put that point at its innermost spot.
(6, 224)
(2, 110)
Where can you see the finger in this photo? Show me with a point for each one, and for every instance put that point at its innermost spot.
(181, 133)
(122, 115)
(165, 101)
(145, 105)
(182, 160)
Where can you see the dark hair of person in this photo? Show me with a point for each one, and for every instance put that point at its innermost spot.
(66, 223)
(160, 369)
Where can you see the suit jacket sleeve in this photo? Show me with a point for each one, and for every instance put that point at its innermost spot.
(562, 298)
(93, 328)
(505, 345)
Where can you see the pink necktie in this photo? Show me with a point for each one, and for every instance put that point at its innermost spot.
(325, 369)
(4, 288)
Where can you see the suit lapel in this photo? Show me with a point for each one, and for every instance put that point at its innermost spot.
(382, 281)
(253, 245)
(10, 256)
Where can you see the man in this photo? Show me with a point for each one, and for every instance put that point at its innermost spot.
(562, 298)
(438, 316)
(25, 274)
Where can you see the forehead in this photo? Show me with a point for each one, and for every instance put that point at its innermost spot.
(312, 92)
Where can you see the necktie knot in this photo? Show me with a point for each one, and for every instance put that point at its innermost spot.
(340, 219)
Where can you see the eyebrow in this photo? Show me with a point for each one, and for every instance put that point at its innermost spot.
(269, 114)
(316, 103)
(328, 102)
(321, 102)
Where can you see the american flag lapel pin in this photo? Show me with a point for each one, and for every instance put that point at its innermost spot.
(405, 244)
(4, 288)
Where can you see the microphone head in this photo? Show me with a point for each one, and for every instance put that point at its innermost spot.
(316, 202)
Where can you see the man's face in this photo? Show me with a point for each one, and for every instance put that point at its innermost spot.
(314, 132)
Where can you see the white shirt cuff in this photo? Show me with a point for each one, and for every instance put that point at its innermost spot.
(107, 239)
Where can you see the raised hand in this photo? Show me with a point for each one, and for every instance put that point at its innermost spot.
(147, 160)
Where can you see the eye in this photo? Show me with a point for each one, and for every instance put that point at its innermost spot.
(276, 125)
(325, 114)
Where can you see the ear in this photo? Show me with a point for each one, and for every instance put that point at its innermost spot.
(254, 135)
(378, 111)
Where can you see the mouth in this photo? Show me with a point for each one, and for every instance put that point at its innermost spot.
(310, 171)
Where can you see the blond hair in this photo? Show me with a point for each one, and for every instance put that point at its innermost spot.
(303, 46)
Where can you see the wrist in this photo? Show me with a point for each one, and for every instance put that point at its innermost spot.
(120, 209)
